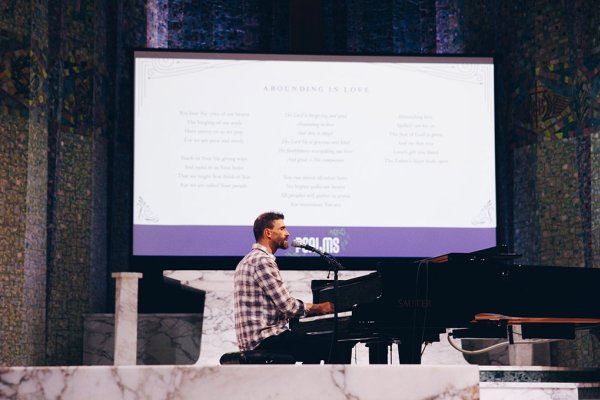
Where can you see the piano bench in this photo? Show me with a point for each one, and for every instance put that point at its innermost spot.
(256, 357)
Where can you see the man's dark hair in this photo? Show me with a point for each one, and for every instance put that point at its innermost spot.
(264, 221)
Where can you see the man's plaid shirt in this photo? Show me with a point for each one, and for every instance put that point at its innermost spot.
(263, 304)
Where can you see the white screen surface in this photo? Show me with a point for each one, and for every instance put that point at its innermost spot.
(366, 156)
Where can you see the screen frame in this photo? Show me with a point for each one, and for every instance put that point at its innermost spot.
(311, 263)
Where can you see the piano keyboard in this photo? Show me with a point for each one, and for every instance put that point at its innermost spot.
(320, 324)
(342, 314)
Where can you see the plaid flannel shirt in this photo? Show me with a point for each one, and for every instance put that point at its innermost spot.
(263, 304)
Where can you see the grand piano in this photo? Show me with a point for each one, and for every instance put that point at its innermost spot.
(476, 295)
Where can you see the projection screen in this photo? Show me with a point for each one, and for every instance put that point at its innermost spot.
(367, 156)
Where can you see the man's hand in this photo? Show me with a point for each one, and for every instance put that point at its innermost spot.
(320, 308)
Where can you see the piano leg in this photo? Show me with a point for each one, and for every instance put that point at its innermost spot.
(378, 352)
(342, 353)
(409, 351)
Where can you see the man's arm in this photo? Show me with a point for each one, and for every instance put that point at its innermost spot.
(269, 279)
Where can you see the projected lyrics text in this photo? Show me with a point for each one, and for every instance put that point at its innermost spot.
(199, 169)
(414, 139)
(312, 143)
(212, 172)
(213, 127)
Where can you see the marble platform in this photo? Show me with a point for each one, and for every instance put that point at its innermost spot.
(298, 382)
(377, 382)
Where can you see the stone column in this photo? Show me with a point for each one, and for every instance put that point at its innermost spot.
(126, 305)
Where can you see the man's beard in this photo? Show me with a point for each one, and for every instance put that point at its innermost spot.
(282, 244)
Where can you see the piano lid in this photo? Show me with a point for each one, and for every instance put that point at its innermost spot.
(496, 253)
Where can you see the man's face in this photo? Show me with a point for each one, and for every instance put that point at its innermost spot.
(278, 234)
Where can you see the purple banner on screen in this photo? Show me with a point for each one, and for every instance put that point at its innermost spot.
(161, 240)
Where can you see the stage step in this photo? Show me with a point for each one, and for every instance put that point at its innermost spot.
(533, 383)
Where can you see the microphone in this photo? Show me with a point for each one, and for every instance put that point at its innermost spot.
(298, 243)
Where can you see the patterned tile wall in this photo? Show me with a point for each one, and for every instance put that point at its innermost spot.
(54, 132)
(558, 204)
(550, 59)
(595, 198)
(14, 300)
(388, 27)
(23, 175)
(78, 132)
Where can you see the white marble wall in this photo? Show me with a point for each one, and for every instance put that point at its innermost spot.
(230, 382)
(218, 330)
(161, 339)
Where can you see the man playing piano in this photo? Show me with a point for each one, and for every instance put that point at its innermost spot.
(263, 304)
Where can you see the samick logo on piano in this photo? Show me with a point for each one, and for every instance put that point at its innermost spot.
(414, 303)
(328, 244)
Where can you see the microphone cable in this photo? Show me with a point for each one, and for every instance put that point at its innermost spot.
(497, 345)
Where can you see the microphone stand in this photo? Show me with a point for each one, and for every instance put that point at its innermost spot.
(335, 266)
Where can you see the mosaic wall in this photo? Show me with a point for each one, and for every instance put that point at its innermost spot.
(388, 27)
(78, 131)
(550, 57)
(65, 121)
(595, 198)
(53, 97)
(23, 175)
